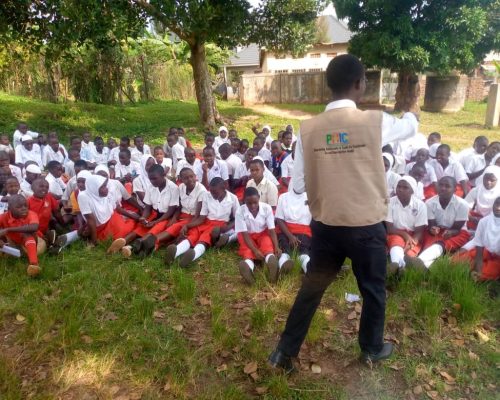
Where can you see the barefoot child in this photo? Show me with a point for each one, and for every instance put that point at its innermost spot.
(254, 225)
(20, 225)
(406, 222)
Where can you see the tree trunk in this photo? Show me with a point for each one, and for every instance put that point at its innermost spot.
(407, 92)
(203, 86)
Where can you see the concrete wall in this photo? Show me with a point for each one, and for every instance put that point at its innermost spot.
(445, 93)
(308, 87)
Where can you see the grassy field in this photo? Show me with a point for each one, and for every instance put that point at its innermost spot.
(99, 327)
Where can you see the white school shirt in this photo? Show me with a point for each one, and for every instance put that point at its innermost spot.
(161, 201)
(287, 167)
(216, 210)
(457, 210)
(465, 155)
(392, 180)
(16, 172)
(167, 165)
(268, 191)
(219, 169)
(393, 129)
(56, 185)
(185, 164)
(16, 140)
(118, 191)
(218, 142)
(182, 141)
(189, 202)
(134, 169)
(475, 163)
(265, 154)
(453, 169)
(487, 234)
(136, 155)
(23, 155)
(51, 155)
(70, 188)
(114, 153)
(233, 163)
(420, 191)
(90, 145)
(26, 188)
(69, 168)
(430, 175)
(293, 208)
(407, 218)
(243, 171)
(100, 158)
(240, 156)
(244, 221)
(177, 154)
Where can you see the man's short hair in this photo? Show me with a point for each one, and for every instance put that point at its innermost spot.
(343, 72)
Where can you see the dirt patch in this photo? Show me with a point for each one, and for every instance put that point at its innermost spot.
(278, 112)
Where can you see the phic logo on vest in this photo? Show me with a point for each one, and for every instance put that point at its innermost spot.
(337, 139)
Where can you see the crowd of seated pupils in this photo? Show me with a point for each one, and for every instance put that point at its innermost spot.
(144, 198)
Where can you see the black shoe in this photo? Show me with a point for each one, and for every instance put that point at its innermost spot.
(272, 265)
(383, 354)
(148, 245)
(136, 246)
(246, 272)
(278, 359)
(416, 263)
(170, 256)
(187, 258)
(51, 237)
(287, 267)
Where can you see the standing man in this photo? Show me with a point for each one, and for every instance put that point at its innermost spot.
(338, 162)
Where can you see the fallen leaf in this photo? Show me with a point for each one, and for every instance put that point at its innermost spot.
(457, 306)
(261, 390)
(178, 328)
(352, 315)
(205, 301)
(87, 339)
(447, 376)
(417, 390)
(159, 314)
(20, 318)
(254, 376)
(407, 331)
(330, 314)
(250, 368)
(432, 394)
(222, 367)
(473, 356)
(482, 336)
(458, 342)
(316, 369)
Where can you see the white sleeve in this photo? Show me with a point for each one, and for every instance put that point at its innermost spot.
(299, 184)
(137, 185)
(430, 212)
(177, 152)
(279, 209)
(84, 204)
(125, 195)
(147, 198)
(432, 174)
(19, 159)
(421, 219)
(462, 212)
(272, 195)
(174, 197)
(239, 222)
(460, 174)
(270, 219)
(223, 171)
(236, 206)
(204, 204)
(396, 129)
(471, 197)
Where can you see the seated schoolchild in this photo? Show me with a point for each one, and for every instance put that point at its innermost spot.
(33, 172)
(476, 164)
(286, 171)
(165, 162)
(406, 222)
(10, 188)
(231, 160)
(483, 251)
(278, 155)
(429, 180)
(14, 169)
(242, 149)
(28, 150)
(140, 149)
(418, 172)
(100, 153)
(71, 185)
(181, 138)
(176, 149)
(444, 165)
(481, 198)
(262, 151)
(211, 168)
(216, 217)
(391, 177)
(19, 225)
(221, 138)
(233, 134)
(190, 161)
(126, 169)
(287, 141)
(161, 200)
(69, 165)
(446, 231)
(57, 186)
(114, 152)
(478, 148)
(294, 233)
(54, 151)
(141, 182)
(235, 144)
(254, 225)
(268, 191)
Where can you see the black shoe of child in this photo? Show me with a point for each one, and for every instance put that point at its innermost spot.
(416, 263)
(286, 267)
(51, 237)
(383, 354)
(246, 272)
(272, 265)
(278, 359)
(148, 245)
(136, 246)
(392, 268)
(187, 258)
(223, 239)
(170, 256)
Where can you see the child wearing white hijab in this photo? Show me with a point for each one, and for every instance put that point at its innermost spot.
(142, 182)
(483, 251)
(391, 177)
(406, 222)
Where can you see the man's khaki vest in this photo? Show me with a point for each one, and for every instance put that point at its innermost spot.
(343, 167)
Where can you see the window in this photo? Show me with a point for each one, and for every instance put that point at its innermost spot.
(298, 70)
(281, 71)
(315, 70)
(331, 55)
(315, 55)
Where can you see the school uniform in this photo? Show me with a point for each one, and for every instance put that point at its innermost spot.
(188, 203)
(473, 164)
(465, 155)
(16, 140)
(242, 171)
(56, 185)
(16, 172)
(136, 154)
(428, 180)
(26, 188)
(23, 155)
(294, 211)
(114, 154)
(219, 141)
(218, 170)
(50, 155)
(121, 170)
(160, 202)
(233, 163)
(28, 242)
(487, 236)
(406, 218)
(167, 165)
(454, 169)
(100, 158)
(276, 164)
(286, 172)
(241, 156)
(44, 209)
(6, 148)
(257, 227)
(182, 141)
(177, 152)
(185, 164)
(69, 168)
(268, 191)
(217, 213)
(265, 154)
(4, 205)
(87, 153)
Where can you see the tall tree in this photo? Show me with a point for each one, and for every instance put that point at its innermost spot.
(412, 36)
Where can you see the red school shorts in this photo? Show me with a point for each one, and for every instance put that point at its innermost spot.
(491, 263)
(396, 240)
(175, 229)
(201, 233)
(117, 227)
(261, 239)
(451, 244)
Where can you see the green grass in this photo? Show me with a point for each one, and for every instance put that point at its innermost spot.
(95, 326)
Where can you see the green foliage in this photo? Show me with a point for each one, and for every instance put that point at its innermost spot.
(416, 36)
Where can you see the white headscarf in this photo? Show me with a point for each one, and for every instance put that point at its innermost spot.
(83, 174)
(101, 167)
(102, 207)
(389, 157)
(485, 198)
(143, 176)
(223, 128)
(268, 128)
(411, 181)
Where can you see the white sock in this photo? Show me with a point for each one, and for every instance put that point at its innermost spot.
(199, 249)
(233, 236)
(304, 260)
(182, 247)
(397, 254)
(250, 263)
(283, 259)
(268, 256)
(71, 237)
(429, 255)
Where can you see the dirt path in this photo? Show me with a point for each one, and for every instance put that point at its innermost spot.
(278, 112)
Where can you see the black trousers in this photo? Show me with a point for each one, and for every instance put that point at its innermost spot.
(304, 246)
(365, 246)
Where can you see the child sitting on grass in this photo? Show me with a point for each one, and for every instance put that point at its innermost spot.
(254, 225)
(268, 191)
(406, 221)
(160, 158)
(10, 188)
(20, 225)
(481, 198)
